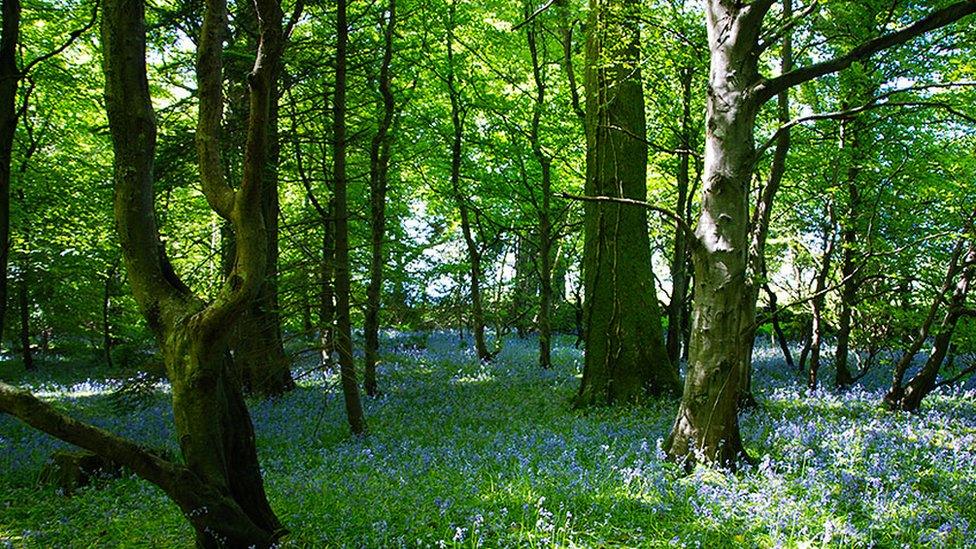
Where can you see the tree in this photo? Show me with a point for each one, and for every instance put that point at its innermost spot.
(343, 343)
(706, 427)
(258, 348)
(9, 80)
(379, 168)
(626, 358)
(219, 489)
(951, 301)
(474, 251)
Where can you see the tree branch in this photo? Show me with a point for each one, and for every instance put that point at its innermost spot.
(534, 14)
(940, 18)
(679, 221)
(26, 407)
(877, 102)
(75, 34)
(209, 69)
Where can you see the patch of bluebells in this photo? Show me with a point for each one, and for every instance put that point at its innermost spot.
(466, 454)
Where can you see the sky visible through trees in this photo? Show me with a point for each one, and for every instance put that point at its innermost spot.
(533, 273)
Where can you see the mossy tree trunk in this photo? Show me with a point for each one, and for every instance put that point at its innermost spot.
(626, 358)
(219, 489)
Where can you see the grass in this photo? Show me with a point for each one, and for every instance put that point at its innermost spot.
(468, 455)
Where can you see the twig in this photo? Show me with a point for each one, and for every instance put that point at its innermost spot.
(535, 14)
(681, 223)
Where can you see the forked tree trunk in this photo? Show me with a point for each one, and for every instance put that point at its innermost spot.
(706, 428)
(626, 359)
(219, 489)
(379, 168)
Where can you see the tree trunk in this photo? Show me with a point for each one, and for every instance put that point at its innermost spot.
(219, 490)
(257, 344)
(327, 287)
(258, 347)
(525, 277)
(379, 166)
(679, 256)
(23, 300)
(707, 425)
(107, 342)
(756, 270)
(9, 80)
(347, 367)
(474, 254)
(909, 397)
(784, 344)
(850, 140)
(545, 215)
(626, 359)
(818, 303)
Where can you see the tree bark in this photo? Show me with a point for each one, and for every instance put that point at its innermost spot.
(756, 270)
(379, 167)
(258, 349)
(818, 303)
(851, 136)
(220, 489)
(626, 359)
(784, 344)
(679, 256)
(543, 322)
(909, 397)
(706, 428)
(347, 366)
(327, 287)
(257, 344)
(474, 254)
(107, 341)
(23, 300)
(9, 80)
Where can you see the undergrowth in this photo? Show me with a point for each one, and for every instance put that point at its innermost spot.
(462, 454)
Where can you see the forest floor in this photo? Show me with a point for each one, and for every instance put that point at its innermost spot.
(466, 455)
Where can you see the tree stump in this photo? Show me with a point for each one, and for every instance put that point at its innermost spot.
(69, 470)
